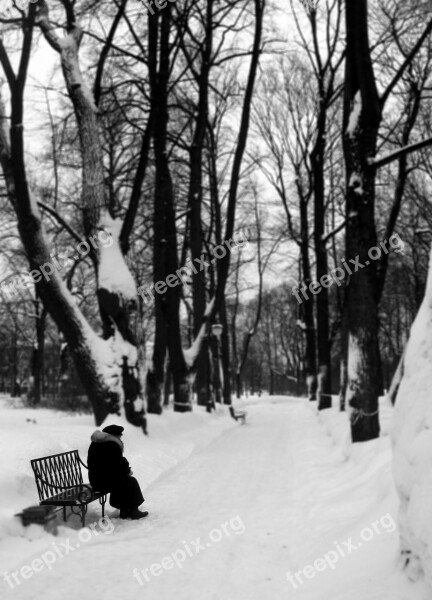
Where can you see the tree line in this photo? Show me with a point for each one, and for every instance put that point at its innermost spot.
(171, 131)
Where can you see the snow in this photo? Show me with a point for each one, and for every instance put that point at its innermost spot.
(113, 273)
(266, 501)
(190, 354)
(355, 113)
(354, 364)
(171, 441)
(107, 354)
(356, 182)
(412, 439)
(69, 51)
(107, 358)
(209, 307)
(301, 324)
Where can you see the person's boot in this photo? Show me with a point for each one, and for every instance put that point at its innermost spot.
(125, 513)
(136, 513)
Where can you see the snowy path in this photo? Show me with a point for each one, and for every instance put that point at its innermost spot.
(252, 497)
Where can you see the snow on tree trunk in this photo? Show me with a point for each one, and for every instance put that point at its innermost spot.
(412, 445)
(117, 297)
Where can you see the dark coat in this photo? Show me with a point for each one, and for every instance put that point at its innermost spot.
(109, 471)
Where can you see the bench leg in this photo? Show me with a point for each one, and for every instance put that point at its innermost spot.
(83, 513)
(64, 514)
(102, 501)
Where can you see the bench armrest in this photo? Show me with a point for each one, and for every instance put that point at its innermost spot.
(82, 462)
(82, 496)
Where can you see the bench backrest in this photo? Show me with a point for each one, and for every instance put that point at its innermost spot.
(52, 473)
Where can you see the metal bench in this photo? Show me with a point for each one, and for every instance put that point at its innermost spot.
(239, 415)
(60, 483)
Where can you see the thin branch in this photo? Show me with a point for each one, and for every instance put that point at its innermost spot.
(137, 186)
(335, 231)
(60, 220)
(405, 64)
(7, 67)
(105, 51)
(377, 163)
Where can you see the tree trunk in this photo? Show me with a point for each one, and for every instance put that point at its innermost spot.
(165, 259)
(167, 383)
(15, 386)
(307, 305)
(360, 123)
(238, 385)
(106, 380)
(226, 362)
(322, 299)
(38, 358)
(196, 199)
(343, 364)
(156, 371)
(271, 391)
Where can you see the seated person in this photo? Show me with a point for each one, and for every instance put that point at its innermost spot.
(109, 471)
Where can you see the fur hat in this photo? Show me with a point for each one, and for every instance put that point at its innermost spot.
(113, 429)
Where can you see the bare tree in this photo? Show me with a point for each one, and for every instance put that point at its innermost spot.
(108, 367)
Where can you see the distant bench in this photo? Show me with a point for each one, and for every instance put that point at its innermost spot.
(238, 415)
(60, 483)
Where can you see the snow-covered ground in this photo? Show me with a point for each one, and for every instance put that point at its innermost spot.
(281, 508)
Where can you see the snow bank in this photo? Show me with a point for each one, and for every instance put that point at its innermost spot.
(412, 441)
(341, 492)
(337, 425)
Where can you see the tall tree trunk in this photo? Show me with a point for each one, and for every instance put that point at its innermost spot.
(343, 363)
(307, 305)
(261, 268)
(15, 386)
(271, 391)
(38, 358)
(165, 259)
(196, 198)
(322, 300)
(156, 371)
(226, 362)
(360, 123)
(167, 383)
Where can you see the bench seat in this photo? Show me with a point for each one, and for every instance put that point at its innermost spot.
(72, 497)
(238, 415)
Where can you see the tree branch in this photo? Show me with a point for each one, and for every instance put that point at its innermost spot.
(405, 64)
(7, 67)
(335, 231)
(60, 220)
(137, 187)
(105, 51)
(377, 163)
